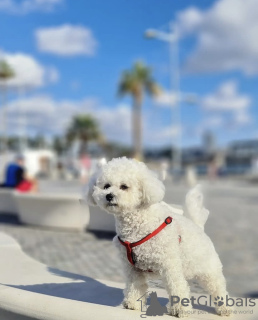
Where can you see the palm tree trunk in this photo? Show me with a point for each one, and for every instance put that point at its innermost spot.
(137, 128)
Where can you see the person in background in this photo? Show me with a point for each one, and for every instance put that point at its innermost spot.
(84, 168)
(15, 177)
(213, 170)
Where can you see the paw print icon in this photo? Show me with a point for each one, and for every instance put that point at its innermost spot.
(219, 301)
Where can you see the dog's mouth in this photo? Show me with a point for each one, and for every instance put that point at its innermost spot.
(112, 204)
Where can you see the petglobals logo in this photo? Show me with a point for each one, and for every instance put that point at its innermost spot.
(218, 301)
(227, 302)
(151, 305)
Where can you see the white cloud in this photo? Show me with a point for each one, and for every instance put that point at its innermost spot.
(209, 123)
(115, 123)
(156, 133)
(226, 36)
(45, 115)
(41, 113)
(189, 20)
(242, 118)
(169, 99)
(226, 108)
(27, 6)
(166, 133)
(52, 75)
(212, 122)
(66, 40)
(226, 98)
(28, 71)
(166, 99)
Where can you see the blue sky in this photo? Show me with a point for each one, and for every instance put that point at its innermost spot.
(70, 54)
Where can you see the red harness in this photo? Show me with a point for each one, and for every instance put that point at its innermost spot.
(130, 245)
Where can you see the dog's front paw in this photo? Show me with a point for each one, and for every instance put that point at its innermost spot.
(133, 305)
(223, 310)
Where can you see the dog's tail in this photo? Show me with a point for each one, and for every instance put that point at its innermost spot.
(194, 208)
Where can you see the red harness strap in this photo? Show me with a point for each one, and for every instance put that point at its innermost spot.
(130, 245)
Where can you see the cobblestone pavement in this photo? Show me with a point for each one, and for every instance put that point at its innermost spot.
(232, 226)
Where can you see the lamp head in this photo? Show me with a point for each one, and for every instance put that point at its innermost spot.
(150, 33)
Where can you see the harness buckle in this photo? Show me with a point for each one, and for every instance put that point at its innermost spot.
(168, 220)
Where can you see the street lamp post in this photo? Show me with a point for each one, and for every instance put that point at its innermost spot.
(172, 38)
(23, 141)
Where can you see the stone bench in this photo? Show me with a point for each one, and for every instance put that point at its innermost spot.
(58, 211)
(30, 290)
(48, 210)
(7, 201)
(101, 220)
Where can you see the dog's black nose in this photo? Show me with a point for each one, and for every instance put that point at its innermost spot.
(109, 197)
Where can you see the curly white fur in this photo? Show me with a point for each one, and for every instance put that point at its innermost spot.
(138, 211)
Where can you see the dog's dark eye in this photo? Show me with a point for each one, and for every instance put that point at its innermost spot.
(106, 186)
(123, 187)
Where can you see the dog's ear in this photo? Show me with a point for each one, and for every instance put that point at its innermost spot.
(89, 189)
(153, 190)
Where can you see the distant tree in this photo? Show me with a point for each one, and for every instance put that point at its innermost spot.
(13, 143)
(6, 73)
(136, 82)
(83, 128)
(59, 145)
(37, 142)
(115, 150)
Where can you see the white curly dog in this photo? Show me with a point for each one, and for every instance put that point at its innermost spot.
(175, 249)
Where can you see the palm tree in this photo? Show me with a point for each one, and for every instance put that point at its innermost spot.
(136, 82)
(6, 73)
(83, 128)
(59, 145)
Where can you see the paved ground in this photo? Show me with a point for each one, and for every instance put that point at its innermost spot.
(232, 226)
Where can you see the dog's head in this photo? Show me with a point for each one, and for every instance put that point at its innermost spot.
(124, 185)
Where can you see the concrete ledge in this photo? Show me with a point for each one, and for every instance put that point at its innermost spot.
(101, 220)
(30, 290)
(58, 211)
(7, 202)
(48, 210)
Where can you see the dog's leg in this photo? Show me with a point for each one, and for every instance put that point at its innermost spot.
(177, 288)
(215, 284)
(136, 287)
